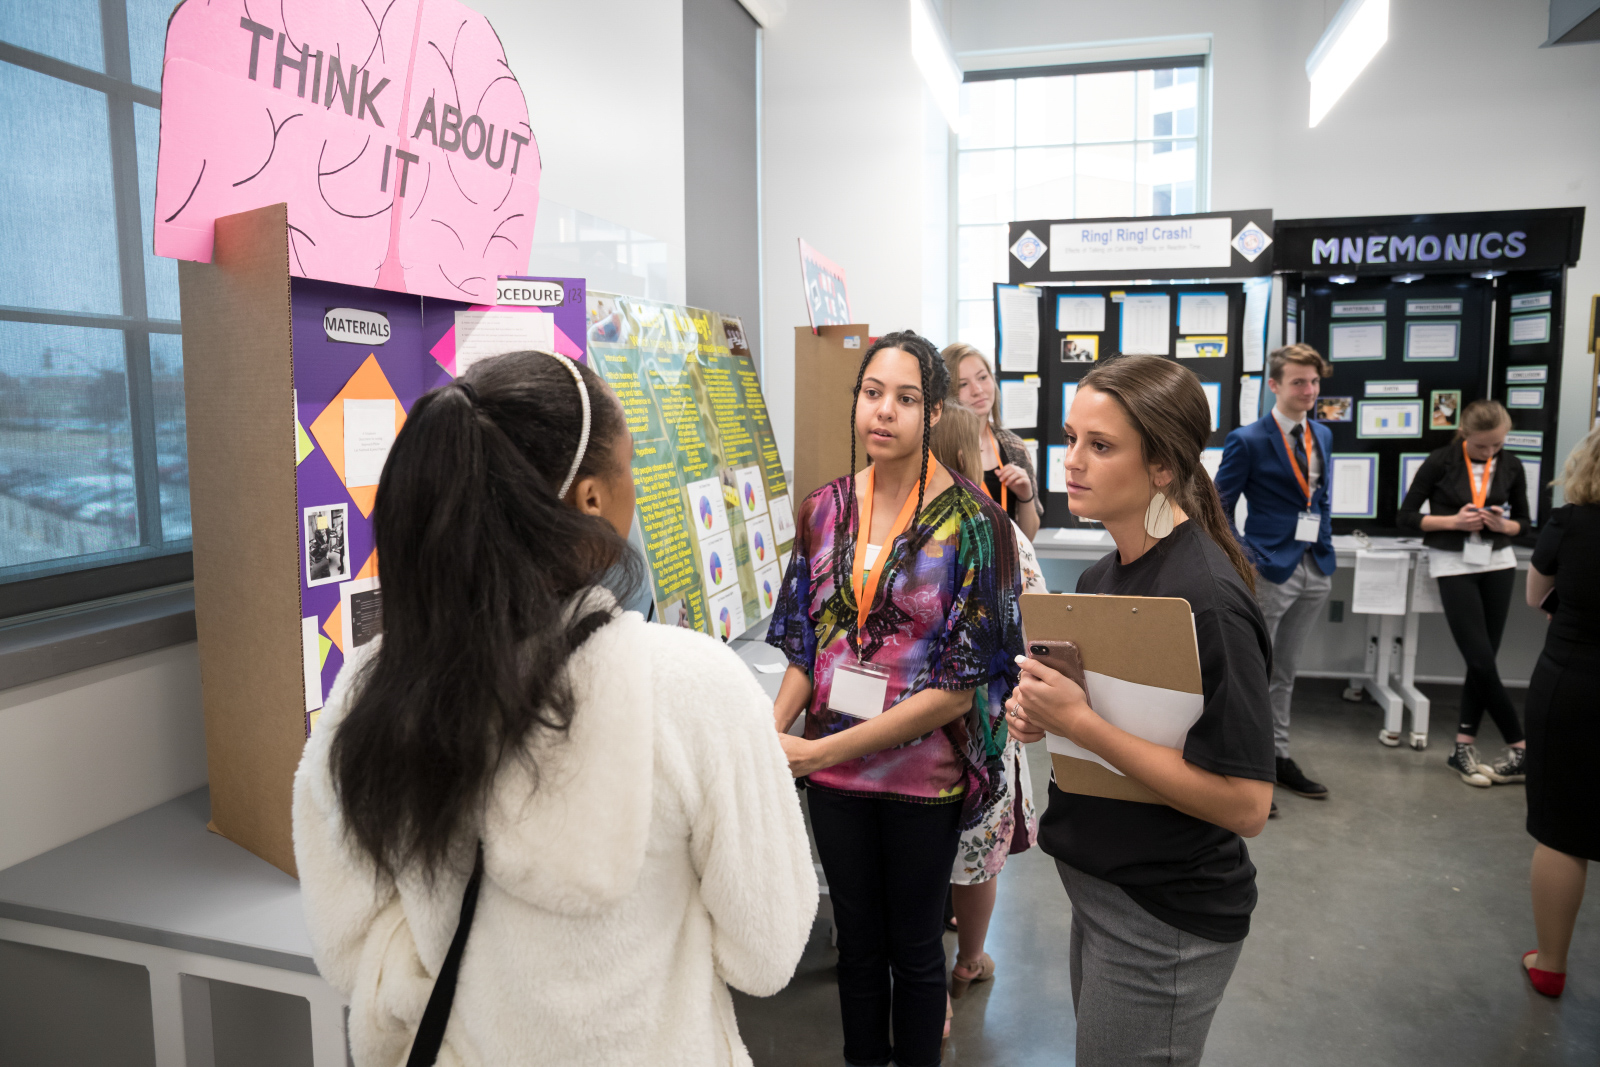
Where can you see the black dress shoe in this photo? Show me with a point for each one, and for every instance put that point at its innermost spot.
(1273, 814)
(1292, 779)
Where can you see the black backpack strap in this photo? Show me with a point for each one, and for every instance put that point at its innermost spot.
(430, 1034)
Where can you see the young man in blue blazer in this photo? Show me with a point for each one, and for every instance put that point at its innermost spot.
(1280, 465)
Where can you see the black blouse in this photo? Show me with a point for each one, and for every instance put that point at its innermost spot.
(1444, 482)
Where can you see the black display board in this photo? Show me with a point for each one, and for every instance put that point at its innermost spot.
(1223, 371)
(1526, 375)
(1411, 319)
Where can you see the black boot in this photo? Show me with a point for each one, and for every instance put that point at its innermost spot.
(1292, 779)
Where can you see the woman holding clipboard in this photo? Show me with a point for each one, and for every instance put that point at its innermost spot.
(1161, 893)
(900, 621)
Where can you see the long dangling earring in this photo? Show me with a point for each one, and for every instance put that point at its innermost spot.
(1158, 516)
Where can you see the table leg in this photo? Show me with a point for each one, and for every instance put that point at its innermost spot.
(166, 1013)
(328, 1039)
(1380, 649)
(1415, 699)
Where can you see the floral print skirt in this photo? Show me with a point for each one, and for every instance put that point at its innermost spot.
(983, 849)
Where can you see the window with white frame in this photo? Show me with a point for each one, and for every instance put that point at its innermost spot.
(1063, 143)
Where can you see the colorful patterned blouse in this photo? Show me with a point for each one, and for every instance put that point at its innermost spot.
(946, 616)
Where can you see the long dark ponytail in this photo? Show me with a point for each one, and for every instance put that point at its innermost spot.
(1170, 411)
(480, 563)
(935, 384)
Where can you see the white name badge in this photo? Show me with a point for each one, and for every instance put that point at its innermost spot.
(1308, 527)
(859, 690)
(1476, 552)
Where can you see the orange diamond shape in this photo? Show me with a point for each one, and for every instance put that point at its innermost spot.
(367, 383)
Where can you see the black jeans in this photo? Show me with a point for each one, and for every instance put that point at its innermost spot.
(888, 863)
(1475, 606)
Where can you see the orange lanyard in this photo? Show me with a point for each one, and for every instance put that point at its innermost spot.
(1478, 495)
(999, 462)
(1294, 464)
(866, 585)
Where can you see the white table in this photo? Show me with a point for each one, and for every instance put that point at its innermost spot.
(1391, 639)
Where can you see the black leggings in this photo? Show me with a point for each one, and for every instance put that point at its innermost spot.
(1475, 606)
(888, 868)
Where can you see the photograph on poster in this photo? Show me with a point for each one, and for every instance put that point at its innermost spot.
(1080, 348)
(1438, 340)
(1356, 340)
(676, 613)
(1525, 397)
(1530, 329)
(1444, 409)
(327, 545)
(1202, 347)
(1081, 314)
(1336, 408)
(1389, 418)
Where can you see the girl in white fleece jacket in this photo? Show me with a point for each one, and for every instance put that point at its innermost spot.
(643, 844)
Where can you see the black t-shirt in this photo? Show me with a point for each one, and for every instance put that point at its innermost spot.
(1189, 873)
(991, 482)
(1569, 551)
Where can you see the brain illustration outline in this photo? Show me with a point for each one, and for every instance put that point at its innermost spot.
(397, 135)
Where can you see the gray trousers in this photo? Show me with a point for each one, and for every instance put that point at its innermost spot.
(1291, 609)
(1144, 992)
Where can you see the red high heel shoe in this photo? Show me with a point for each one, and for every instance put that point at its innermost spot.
(1550, 983)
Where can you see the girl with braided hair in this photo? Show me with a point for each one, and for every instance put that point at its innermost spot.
(899, 617)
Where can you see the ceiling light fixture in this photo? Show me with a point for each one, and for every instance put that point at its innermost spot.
(1407, 279)
(1342, 279)
(1487, 275)
(937, 62)
(1344, 50)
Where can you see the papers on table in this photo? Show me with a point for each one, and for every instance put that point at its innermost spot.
(1080, 314)
(368, 434)
(1353, 489)
(1018, 306)
(482, 334)
(1019, 403)
(1146, 324)
(1203, 313)
(1355, 340)
(1249, 398)
(1380, 583)
(1080, 536)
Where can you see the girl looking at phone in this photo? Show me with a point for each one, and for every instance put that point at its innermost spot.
(1477, 499)
(900, 621)
(637, 838)
(1161, 893)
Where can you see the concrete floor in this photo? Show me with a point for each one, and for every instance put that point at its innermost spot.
(1391, 922)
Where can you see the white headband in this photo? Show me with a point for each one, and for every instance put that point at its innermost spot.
(583, 438)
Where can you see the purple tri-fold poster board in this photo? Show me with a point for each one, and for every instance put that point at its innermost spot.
(362, 359)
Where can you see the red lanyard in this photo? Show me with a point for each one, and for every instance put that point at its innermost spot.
(1478, 495)
(999, 462)
(1294, 465)
(866, 584)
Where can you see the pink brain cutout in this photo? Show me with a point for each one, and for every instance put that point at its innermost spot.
(393, 129)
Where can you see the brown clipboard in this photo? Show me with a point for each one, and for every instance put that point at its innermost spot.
(1147, 640)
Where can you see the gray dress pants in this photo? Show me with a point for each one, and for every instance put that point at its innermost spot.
(1290, 610)
(1144, 992)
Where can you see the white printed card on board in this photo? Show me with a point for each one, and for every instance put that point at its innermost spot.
(782, 518)
(707, 511)
(769, 580)
(717, 567)
(752, 491)
(727, 614)
(759, 539)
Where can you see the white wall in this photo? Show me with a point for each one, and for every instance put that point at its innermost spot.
(1460, 111)
(845, 166)
(90, 748)
(604, 83)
